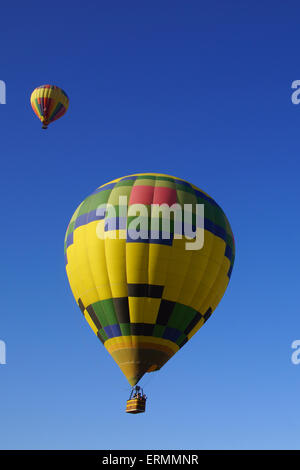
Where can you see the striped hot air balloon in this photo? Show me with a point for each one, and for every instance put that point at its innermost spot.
(49, 102)
(146, 296)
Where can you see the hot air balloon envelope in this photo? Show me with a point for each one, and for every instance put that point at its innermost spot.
(142, 286)
(49, 102)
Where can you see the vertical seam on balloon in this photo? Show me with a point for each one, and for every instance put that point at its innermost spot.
(218, 271)
(207, 265)
(169, 257)
(78, 271)
(89, 263)
(118, 225)
(88, 253)
(144, 299)
(220, 267)
(149, 246)
(126, 243)
(74, 249)
(190, 253)
(105, 263)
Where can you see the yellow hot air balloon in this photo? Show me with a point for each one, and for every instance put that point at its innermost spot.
(147, 266)
(49, 102)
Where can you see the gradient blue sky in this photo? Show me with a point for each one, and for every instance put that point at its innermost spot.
(196, 89)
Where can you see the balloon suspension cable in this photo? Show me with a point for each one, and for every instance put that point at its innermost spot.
(137, 392)
(137, 401)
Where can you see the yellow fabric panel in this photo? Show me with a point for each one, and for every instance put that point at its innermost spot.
(96, 251)
(171, 290)
(217, 254)
(189, 287)
(136, 309)
(203, 295)
(209, 241)
(115, 255)
(217, 289)
(176, 271)
(119, 342)
(71, 272)
(213, 281)
(202, 270)
(211, 272)
(151, 307)
(113, 344)
(137, 263)
(159, 257)
(225, 264)
(88, 291)
(201, 292)
(55, 94)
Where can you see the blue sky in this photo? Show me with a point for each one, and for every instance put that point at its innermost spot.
(199, 90)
